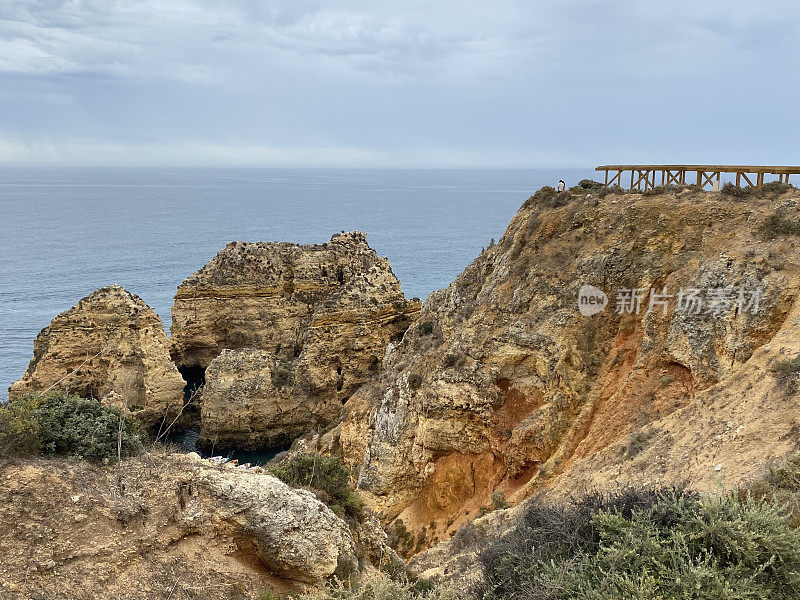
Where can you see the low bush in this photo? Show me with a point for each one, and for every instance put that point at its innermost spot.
(656, 190)
(327, 477)
(19, 430)
(647, 544)
(281, 375)
(499, 501)
(734, 191)
(780, 485)
(415, 381)
(608, 190)
(548, 197)
(777, 225)
(381, 587)
(786, 371)
(777, 187)
(425, 328)
(588, 184)
(637, 442)
(400, 538)
(451, 360)
(57, 424)
(786, 367)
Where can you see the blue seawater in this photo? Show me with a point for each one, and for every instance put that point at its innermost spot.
(65, 232)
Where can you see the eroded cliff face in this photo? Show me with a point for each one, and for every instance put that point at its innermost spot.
(110, 344)
(287, 333)
(157, 526)
(504, 385)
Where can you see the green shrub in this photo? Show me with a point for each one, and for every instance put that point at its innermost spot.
(415, 381)
(786, 371)
(776, 225)
(381, 587)
(637, 442)
(785, 477)
(425, 328)
(548, 197)
(608, 190)
(327, 477)
(499, 501)
(400, 538)
(734, 191)
(450, 360)
(786, 367)
(647, 544)
(657, 190)
(84, 428)
(19, 430)
(777, 187)
(57, 424)
(281, 375)
(589, 184)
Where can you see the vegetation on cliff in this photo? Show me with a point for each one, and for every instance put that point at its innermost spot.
(58, 424)
(382, 587)
(327, 477)
(648, 544)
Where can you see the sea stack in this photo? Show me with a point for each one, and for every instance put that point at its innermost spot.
(110, 344)
(302, 327)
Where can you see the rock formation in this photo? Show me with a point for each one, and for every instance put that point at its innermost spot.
(110, 342)
(306, 325)
(503, 385)
(159, 524)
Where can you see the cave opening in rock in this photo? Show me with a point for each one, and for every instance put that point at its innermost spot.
(195, 378)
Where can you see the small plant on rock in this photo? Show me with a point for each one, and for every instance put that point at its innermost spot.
(425, 328)
(281, 375)
(327, 477)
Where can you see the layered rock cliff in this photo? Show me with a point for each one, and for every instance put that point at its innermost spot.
(503, 384)
(287, 333)
(159, 527)
(109, 344)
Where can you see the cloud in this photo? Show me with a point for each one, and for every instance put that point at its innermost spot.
(391, 83)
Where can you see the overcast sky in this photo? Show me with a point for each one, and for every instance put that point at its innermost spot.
(400, 83)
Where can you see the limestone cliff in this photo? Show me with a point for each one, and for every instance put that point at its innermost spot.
(161, 526)
(306, 324)
(503, 384)
(111, 341)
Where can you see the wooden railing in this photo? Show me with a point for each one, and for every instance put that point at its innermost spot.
(643, 177)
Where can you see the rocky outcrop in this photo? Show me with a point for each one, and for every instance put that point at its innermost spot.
(503, 384)
(110, 342)
(160, 526)
(727, 435)
(247, 404)
(306, 326)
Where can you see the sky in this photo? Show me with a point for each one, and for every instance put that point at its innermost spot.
(398, 84)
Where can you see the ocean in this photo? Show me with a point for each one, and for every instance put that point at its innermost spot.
(65, 232)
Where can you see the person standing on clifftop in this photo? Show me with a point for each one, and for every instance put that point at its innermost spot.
(561, 185)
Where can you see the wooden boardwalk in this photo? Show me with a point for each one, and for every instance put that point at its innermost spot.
(643, 177)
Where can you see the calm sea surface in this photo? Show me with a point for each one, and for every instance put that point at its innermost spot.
(67, 232)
